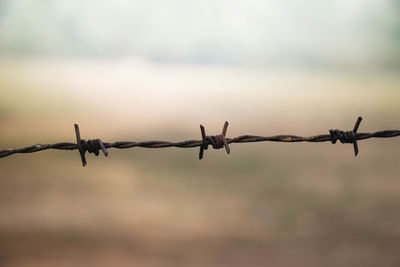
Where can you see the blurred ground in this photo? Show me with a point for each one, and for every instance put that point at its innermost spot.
(268, 203)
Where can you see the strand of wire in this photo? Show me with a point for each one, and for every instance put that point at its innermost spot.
(217, 142)
(198, 143)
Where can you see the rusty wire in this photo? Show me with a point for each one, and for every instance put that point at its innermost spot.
(216, 141)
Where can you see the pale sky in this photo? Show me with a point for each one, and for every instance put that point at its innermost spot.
(249, 32)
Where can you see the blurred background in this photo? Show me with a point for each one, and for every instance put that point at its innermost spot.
(155, 70)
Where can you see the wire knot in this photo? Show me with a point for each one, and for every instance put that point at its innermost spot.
(346, 137)
(91, 146)
(217, 141)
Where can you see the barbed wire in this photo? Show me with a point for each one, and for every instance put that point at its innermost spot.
(216, 141)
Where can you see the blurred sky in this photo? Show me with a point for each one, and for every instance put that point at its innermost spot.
(308, 33)
(155, 70)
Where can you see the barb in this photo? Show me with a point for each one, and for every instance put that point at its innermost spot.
(217, 141)
(91, 146)
(349, 137)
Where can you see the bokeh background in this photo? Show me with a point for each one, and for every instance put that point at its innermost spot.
(155, 70)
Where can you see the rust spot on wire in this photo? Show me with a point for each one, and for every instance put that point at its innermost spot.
(217, 141)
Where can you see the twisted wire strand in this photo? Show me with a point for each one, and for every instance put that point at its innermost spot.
(217, 142)
(198, 143)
